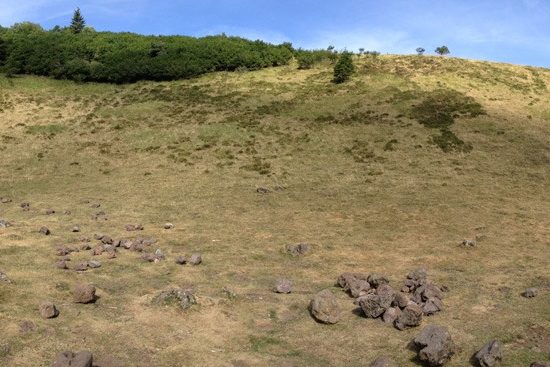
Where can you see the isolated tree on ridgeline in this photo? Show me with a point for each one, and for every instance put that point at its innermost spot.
(361, 51)
(77, 23)
(442, 50)
(420, 51)
(344, 68)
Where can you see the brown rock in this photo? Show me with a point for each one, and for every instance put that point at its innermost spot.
(299, 249)
(84, 293)
(61, 264)
(372, 305)
(391, 315)
(181, 260)
(401, 300)
(530, 293)
(45, 231)
(410, 317)
(82, 266)
(48, 310)
(435, 344)
(325, 308)
(196, 259)
(283, 286)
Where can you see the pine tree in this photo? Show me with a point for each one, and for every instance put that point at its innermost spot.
(343, 68)
(78, 22)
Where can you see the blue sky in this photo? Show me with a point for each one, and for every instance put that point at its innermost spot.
(516, 31)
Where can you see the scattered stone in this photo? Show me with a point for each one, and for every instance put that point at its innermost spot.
(4, 224)
(168, 226)
(262, 190)
(410, 317)
(4, 278)
(5, 200)
(83, 266)
(45, 231)
(469, 243)
(133, 227)
(84, 239)
(299, 249)
(63, 251)
(149, 257)
(75, 229)
(324, 307)
(111, 254)
(61, 264)
(50, 212)
(94, 264)
(25, 206)
(196, 259)
(383, 362)
(181, 260)
(391, 315)
(159, 254)
(95, 206)
(48, 310)
(490, 354)
(84, 293)
(530, 293)
(70, 359)
(106, 240)
(85, 247)
(175, 296)
(372, 305)
(435, 344)
(540, 364)
(283, 286)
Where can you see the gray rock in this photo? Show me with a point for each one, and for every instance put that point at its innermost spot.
(410, 317)
(490, 354)
(325, 308)
(401, 300)
(5, 200)
(383, 362)
(84, 293)
(50, 212)
(75, 229)
(48, 310)
(469, 243)
(45, 231)
(133, 227)
(196, 259)
(94, 264)
(435, 345)
(299, 249)
(391, 315)
(431, 306)
(159, 254)
(81, 266)
(540, 364)
(387, 295)
(181, 260)
(530, 293)
(372, 305)
(70, 359)
(283, 286)
(4, 224)
(4, 278)
(168, 226)
(61, 264)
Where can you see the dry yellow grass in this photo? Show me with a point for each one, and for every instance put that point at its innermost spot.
(194, 152)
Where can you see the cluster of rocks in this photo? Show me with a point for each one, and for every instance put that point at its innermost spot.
(404, 309)
(195, 259)
(183, 297)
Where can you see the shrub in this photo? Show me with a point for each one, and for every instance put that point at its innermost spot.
(442, 50)
(344, 68)
(420, 51)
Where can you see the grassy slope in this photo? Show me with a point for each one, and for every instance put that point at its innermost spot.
(193, 153)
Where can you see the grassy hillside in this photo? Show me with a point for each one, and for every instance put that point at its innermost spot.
(386, 174)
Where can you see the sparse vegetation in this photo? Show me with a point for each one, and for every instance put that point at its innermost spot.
(243, 165)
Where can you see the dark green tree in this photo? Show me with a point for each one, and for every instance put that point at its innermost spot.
(344, 68)
(442, 50)
(77, 23)
(420, 51)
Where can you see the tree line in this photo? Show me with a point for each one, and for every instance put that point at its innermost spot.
(80, 53)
